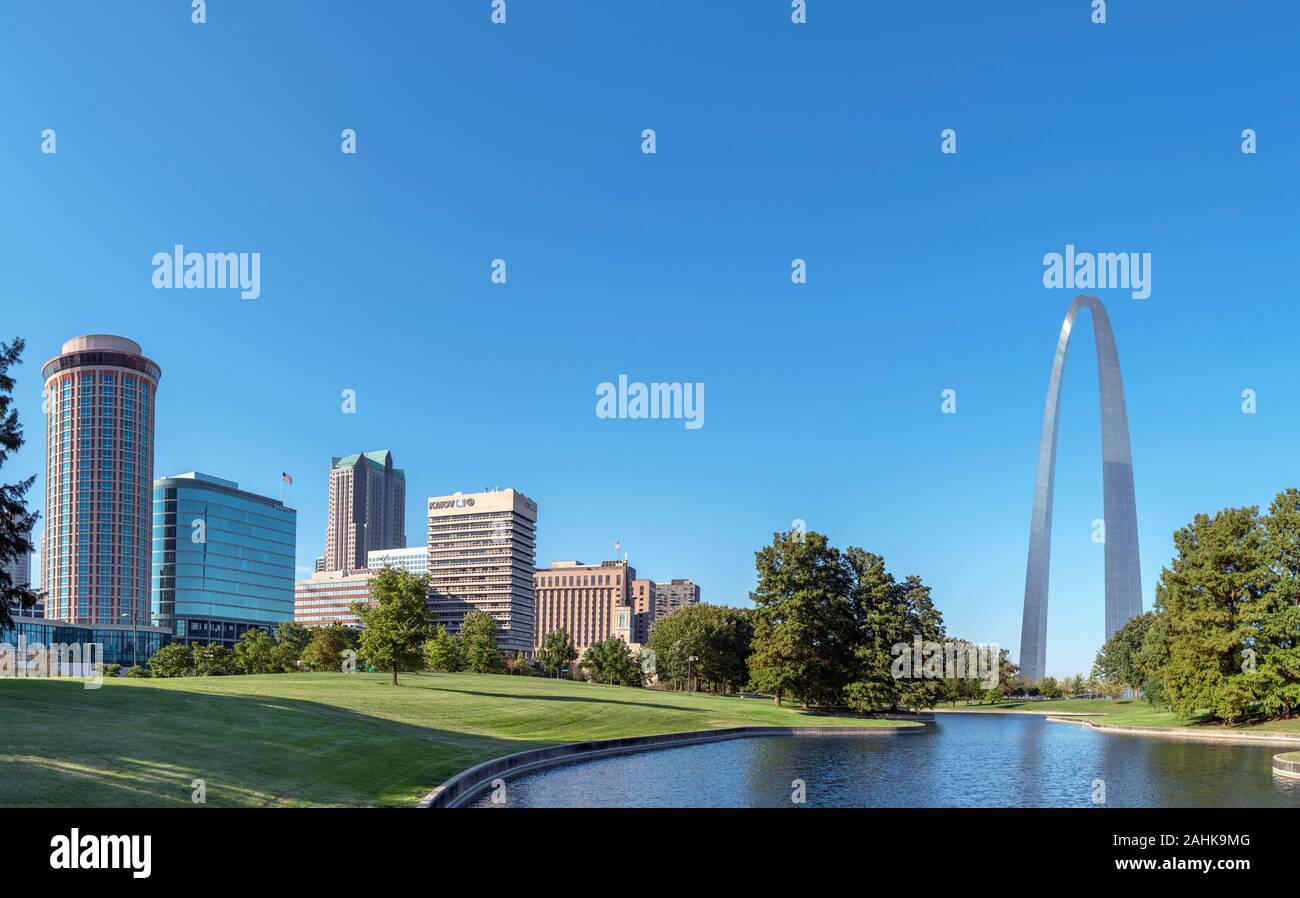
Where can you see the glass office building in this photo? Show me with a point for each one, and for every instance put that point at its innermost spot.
(223, 559)
(123, 644)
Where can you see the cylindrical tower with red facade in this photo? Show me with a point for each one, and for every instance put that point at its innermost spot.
(99, 400)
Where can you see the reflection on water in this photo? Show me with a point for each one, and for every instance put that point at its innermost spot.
(963, 760)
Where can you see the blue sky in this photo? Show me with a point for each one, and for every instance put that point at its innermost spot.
(775, 142)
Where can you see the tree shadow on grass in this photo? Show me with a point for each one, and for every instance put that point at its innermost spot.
(67, 746)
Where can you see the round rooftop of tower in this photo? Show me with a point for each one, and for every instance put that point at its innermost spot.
(102, 341)
(101, 351)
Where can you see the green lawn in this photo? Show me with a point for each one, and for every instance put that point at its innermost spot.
(1135, 713)
(315, 739)
(1290, 756)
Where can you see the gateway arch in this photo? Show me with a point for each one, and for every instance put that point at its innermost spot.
(1123, 576)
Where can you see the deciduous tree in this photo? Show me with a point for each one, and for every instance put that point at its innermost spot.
(557, 651)
(395, 627)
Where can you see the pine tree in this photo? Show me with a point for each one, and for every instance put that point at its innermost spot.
(16, 522)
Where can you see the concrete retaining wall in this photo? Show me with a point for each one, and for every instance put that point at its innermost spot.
(1185, 733)
(1288, 769)
(464, 785)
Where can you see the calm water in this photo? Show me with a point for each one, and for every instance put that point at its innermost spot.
(964, 760)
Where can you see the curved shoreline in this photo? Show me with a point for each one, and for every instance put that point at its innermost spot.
(1017, 711)
(1181, 732)
(468, 783)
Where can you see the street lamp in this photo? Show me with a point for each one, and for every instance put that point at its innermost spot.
(689, 682)
(134, 637)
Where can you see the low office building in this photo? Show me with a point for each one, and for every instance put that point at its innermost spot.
(327, 597)
(223, 559)
(122, 644)
(413, 560)
(482, 549)
(590, 602)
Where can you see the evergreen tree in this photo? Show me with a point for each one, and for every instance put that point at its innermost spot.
(16, 522)
(804, 634)
(1215, 592)
(1275, 619)
(479, 634)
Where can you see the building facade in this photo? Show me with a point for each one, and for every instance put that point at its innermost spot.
(123, 644)
(413, 559)
(673, 595)
(583, 600)
(326, 598)
(367, 509)
(643, 610)
(223, 559)
(100, 392)
(482, 549)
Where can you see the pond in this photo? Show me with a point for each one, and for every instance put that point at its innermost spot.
(963, 760)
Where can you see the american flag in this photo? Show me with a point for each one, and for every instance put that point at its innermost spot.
(286, 478)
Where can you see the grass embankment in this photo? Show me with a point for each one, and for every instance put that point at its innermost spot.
(1132, 712)
(1290, 756)
(316, 739)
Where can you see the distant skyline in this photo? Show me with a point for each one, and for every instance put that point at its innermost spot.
(821, 142)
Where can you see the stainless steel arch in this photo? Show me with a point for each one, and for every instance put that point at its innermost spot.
(1123, 573)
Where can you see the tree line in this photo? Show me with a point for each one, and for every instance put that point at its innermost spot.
(1224, 636)
(824, 631)
(395, 636)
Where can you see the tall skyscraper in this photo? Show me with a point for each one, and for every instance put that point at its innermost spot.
(99, 433)
(671, 596)
(482, 548)
(583, 600)
(367, 509)
(223, 559)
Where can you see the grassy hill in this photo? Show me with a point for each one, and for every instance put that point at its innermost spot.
(314, 739)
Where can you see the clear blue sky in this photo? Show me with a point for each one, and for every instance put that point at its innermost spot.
(774, 142)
